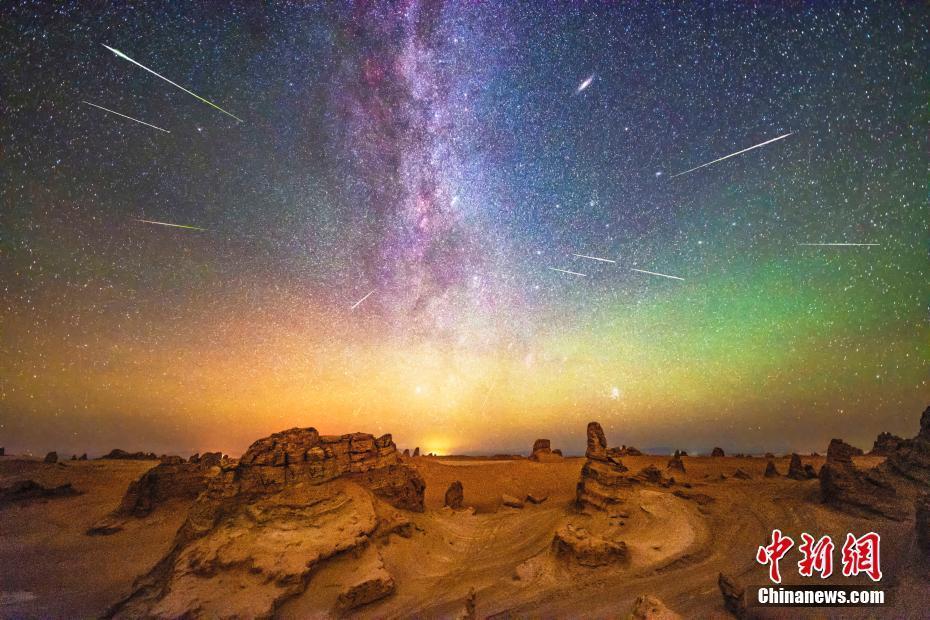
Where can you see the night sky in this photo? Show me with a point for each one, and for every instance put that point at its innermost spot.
(372, 246)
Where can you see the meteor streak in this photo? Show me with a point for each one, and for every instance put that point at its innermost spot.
(124, 116)
(574, 273)
(732, 155)
(209, 103)
(841, 244)
(603, 260)
(653, 273)
(172, 225)
(585, 84)
(359, 302)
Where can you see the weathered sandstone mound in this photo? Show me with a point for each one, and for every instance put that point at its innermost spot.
(118, 454)
(922, 521)
(885, 444)
(844, 486)
(911, 459)
(649, 607)
(770, 471)
(455, 495)
(579, 545)
(27, 490)
(542, 452)
(676, 464)
(253, 538)
(603, 478)
(734, 595)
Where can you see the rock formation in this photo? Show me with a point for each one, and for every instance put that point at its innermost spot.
(469, 611)
(717, 452)
(844, 486)
(809, 471)
(624, 451)
(26, 490)
(416, 451)
(885, 444)
(557, 451)
(455, 495)
(407, 452)
(542, 452)
(587, 549)
(534, 498)
(51, 457)
(83, 457)
(603, 478)
(734, 595)
(741, 475)
(795, 469)
(648, 607)
(675, 463)
(511, 501)
(770, 471)
(922, 522)
(118, 454)
(650, 475)
(262, 527)
(911, 460)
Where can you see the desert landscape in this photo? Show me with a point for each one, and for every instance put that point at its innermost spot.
(311, 526)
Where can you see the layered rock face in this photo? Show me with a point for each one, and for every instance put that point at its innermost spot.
(885, 444)
(543, 452)
(922, 521)
(844, 486)
(603, 478)
(264, 524)
(911, 459)
(455, 495)
(587, 549)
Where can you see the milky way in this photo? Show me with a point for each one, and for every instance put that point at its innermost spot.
(468, 224)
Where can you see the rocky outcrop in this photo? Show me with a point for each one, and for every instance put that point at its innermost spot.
(579, 545)
(770, 471)
(118, 454)
(911, 460)
(455, 495)
(648, 607)
(650, 475)
(676, 464)
(623, 451)
(734, 595)
(740, 474)
(511, 501)
(83, 457)
(717, 452)
(416, 451)
(542, 452)
(28, 490)
(535, 498)
(370, 582)
(262, 527)
(922, 522)
(796, 470)
(844, 486)
(885, 444)
(603, 478)
(407, 452)
(51, 457)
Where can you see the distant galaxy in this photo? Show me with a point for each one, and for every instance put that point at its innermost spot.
(466, 224)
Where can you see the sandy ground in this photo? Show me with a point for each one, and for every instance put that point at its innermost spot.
(50, 568)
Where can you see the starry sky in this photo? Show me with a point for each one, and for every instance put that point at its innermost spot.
(374, 245)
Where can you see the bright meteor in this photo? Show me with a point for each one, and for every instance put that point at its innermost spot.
(124, 116)
(841, 244)
(603, 260)
(653, 273)
(574, 273)
(172, 225)
(732, 155)
(359, 302)
(209, 103)
(585, 84)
